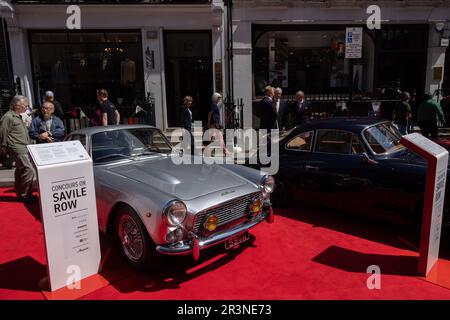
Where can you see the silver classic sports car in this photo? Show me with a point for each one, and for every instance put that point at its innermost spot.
(153, 205)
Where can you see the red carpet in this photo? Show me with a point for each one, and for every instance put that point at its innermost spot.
(305, 254)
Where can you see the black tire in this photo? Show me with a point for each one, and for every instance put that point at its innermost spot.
(141, 255)
(281, 196)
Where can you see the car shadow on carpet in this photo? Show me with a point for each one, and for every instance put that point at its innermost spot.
(358, 262)
(369, 228)
(22, 274)
(174, 270)
(8, 199)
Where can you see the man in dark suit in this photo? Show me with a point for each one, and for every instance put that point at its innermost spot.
(280, 110)
(303, 109)
(267, 110)
(185, 119)
(186, 114)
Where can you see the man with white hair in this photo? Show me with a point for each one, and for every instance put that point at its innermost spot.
(302, 108)
(280, 108)
(50, 97)
(46, 127)
(14, 138)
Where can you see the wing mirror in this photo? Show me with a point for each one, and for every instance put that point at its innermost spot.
(367, 159)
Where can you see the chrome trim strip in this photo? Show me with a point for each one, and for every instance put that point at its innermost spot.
(185, 248)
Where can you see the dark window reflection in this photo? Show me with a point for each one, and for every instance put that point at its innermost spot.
(75, 65)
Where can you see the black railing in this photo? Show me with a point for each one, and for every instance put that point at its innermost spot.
(324, 105)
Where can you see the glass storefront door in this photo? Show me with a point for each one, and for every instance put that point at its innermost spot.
(188, 70)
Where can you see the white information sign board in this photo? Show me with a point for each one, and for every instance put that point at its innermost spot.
(437, 158)
(69, 212)
(353, 43)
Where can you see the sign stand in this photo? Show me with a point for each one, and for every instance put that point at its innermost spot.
(69, 218)
(434, 269)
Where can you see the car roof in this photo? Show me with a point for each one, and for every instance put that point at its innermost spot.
(93, 130)
(353, 124)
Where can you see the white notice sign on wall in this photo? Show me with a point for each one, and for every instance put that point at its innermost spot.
(353, 43)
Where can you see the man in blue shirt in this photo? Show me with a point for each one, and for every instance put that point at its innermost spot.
(47, 127)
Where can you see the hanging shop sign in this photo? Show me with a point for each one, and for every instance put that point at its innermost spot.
(353, 43)
(437, 158)
(68, 210)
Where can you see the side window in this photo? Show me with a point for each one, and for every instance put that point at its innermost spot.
(357, 147)
(79, 137)
(334, 141)
(302, 142)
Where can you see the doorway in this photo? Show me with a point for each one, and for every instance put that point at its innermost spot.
(188, 65)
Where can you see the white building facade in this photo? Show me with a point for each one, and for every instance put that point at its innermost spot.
(181, 49)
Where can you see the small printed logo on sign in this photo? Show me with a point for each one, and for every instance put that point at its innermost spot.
(374, 280)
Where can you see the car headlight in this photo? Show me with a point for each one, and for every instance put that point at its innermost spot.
(267, 186)
(175, 213)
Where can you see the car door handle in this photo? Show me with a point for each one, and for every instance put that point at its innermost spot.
(311, 168)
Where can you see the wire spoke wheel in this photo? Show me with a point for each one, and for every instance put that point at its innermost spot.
(131, 238)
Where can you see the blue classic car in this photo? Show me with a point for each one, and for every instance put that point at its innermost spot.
(354, 164)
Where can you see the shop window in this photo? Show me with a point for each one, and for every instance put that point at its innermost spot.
(48, 37)
(334, 141)
(302, 142)
(75, 64)
(87, 37)
(123, 37)
(313, 61)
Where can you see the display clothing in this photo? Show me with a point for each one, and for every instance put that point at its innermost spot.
(127, 71)
(59, 73)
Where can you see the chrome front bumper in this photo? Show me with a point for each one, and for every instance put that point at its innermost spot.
(196, 244)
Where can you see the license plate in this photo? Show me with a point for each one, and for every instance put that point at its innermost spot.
(236, 240)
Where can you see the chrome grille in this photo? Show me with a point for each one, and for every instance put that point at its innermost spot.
(226, 212)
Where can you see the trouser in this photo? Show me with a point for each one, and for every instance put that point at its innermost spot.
(23, 175)
(429, 129)
(216, 135)
(403, 128)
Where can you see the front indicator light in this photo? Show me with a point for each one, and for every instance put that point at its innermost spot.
(211, 223)
(255, 207)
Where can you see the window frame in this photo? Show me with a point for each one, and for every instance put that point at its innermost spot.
(334, 153)
(297, 150)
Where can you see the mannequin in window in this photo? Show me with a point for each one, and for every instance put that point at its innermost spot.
(127, 71)
(59, 74)
(105, 64)
(106, 69)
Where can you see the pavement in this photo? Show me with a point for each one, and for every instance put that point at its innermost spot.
(6, 177)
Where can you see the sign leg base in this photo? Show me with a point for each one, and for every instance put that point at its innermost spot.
(440, 274)
(79, 289)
